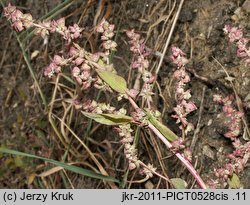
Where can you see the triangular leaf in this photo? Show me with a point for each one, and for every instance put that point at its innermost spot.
(101, 63)
(234, 182)
(179, 183)
(115, 81)
(108, 119)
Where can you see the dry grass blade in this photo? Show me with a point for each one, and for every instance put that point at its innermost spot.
(169, 37)
(92, 156)
(51, 171)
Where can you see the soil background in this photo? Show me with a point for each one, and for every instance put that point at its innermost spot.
(24, 125)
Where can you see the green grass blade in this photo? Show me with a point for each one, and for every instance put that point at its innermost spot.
(26, 58)
(75, 169)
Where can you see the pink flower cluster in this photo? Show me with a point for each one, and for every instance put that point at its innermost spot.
(107, 31)
(81, 70)
(237, 161)
(58, 26)
(141, 63)
(147, 89)
(178, 57)
(98, 108)
(148, 171)
(55, 66)
(183, 107)
(138, 48)
(19, 20)
(178, 145)
(83, 75)
(235, 34)
(233, 116)
(124, 130)
(130, 151)
(80, 60)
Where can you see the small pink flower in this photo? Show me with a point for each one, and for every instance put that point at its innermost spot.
(177, 52)
(178, 57)
(234, 116)
(57, 59)
(75, 31)
(76, 71)
(235, 34)
(18, 26)
(100, 28)
(16, 15)
(8, 11)
(178, 144)
(111, 27)
(85, 67)
(228, 109)
(52, 69)
(78, 61)
(73, 51)
(58, 25)
(132, 35)
(190, 106)
(243, 50)
(44, 30)
(18, 19)
(133, 93)
(179, 60)
(227, 29)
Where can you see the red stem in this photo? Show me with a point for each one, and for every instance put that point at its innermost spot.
(169, 145)
(180, 156)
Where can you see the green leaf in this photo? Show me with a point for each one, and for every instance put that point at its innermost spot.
(118, 117)
(234, 182)
(165, 131)
(101, 63)
(109, 119)
(116, 82)
(72, 168)
(179, 183)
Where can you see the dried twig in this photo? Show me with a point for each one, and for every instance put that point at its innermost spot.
(169, 37)
(198, 126)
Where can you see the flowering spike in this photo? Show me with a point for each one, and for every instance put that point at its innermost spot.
(234, 116)
(183, 107)
(235, 34)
